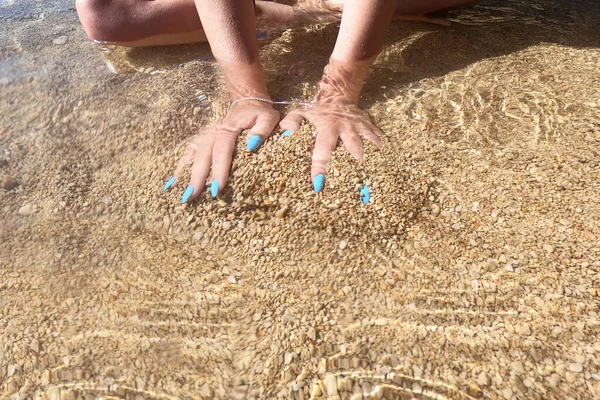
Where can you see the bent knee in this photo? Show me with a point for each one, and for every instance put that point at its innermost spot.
(101, 19)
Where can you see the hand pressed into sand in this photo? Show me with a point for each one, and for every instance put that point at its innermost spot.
(335, 116)
(213, 147)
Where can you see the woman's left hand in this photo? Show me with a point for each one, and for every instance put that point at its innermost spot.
(333, 119)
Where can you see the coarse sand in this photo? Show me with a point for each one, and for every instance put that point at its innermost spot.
(474, 272)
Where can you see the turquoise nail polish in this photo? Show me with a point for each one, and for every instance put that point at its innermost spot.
(254, 142)
(187, 194)
(365, 194)
(319, 183)
(214, 188)
(169, 183)
(287, 133)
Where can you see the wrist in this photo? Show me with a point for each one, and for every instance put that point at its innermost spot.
(342, 81)
(245, 80)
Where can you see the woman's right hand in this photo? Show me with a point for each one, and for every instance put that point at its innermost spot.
(212, 148)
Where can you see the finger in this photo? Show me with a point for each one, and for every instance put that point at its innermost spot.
(186, 159)
(261, 130)
(291, 122)
(200, 169)
(222, 156)
(324, 146)
(353, 144)
(373, 135)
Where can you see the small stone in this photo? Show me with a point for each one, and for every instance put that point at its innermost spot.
(579, 358)
(417, 372)
(312, 333)
(8, 183)
(206, 391)
(548, 247)
(474, 390)
(35, 345)
(483, 379)
(12, 368)
(287, 358)
(281, 213)
(198, 236)
(553, 380)
(331, 383)
(507, 393)
(456, 226)
(287, 318)
(343, 244)
(575, 367)
(140, 383)
(517, 367)
(60, 40)
(524, 330)
(232, 279)
(227, 225)
(596, 377)
(27, 209)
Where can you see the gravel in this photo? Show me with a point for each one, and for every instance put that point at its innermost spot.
(473, 271)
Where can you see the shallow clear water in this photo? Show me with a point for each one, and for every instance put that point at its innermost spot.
(480, 247)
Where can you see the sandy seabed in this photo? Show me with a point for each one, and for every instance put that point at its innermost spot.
(474, 272)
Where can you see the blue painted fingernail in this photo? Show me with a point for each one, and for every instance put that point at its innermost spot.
(169, 183)
(214, 188)
(365, 194)
(187, 194)
(287, 133)
(319, 183)
(254, 142)
(261, 35)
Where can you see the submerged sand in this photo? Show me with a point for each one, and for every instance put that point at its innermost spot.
(474, 272)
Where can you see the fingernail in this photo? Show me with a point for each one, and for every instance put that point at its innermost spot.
(261, 35)
(169, 183)
(187, 194)
(214, 188)
(365, 194)
(287, 133)
(254, 142)
(319, 183)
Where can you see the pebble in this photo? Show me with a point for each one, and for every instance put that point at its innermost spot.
(312, 333)
(507, 393)
(287, 358)
(35, 345)
(517, 367)
(483, 379)
(417, 372)
(548, 247)
(596, 377)
(206, 391)
(8, 183)
(281, 213)
(343, 244)
(27, 209)
(576, 367)
(12, 368)
(331, 383)
(60, 40)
